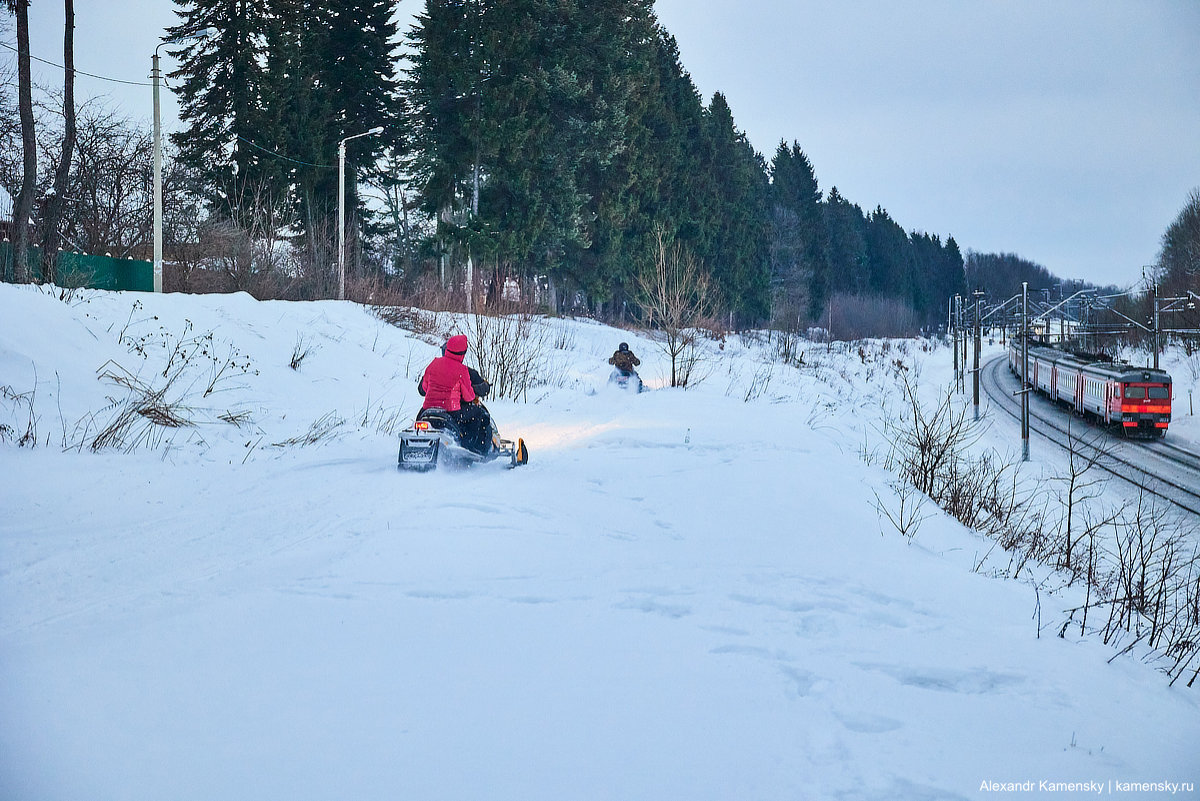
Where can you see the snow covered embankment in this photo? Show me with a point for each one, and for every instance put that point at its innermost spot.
(685, 594)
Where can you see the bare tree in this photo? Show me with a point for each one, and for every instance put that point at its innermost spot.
(1080, 485)
(24, 204)
(246, 239)
(52, 211)
(676, 294)
(110, 187)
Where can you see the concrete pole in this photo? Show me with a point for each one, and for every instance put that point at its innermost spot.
(341, 295)
(953, 331)
(156, 76)
(975, 366)
(1156, 328)
(1025, 372)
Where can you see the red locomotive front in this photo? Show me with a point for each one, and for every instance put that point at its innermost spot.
(1146, 406)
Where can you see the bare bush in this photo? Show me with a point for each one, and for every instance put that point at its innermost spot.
(324, 427)
(510, 351)
(431, 326)
(299, 353)
(141, 416)
(29, 437)
(862, 316)
(907, 513)
(194, 368)
(1139, 561)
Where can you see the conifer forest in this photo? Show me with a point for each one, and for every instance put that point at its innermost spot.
(539, 151)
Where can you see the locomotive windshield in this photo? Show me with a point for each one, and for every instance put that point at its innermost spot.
(1160, 393)
(1135, 393)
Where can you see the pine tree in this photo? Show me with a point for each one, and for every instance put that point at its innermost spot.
(669, 186)
(616, 41)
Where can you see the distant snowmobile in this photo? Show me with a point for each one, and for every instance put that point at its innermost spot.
(627, 380)
(624, 376)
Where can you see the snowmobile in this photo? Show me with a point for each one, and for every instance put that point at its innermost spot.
(627, 380)
(435, 439)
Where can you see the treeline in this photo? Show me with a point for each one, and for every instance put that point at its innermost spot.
(554, 138)
(541, 142)
(1000, 275)
(535, 144)
(1179, 256)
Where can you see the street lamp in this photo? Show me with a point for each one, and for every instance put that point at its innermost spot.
(156, 76)
(342, 208)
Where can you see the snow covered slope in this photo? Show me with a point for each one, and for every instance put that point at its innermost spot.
(685, 595)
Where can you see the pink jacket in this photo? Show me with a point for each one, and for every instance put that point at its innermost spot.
(446, 382)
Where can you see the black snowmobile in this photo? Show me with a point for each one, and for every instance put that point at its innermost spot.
(435, 438)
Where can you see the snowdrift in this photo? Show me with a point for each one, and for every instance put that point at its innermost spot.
(685, 595)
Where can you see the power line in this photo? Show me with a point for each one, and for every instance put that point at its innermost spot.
(143, 83)
(285, 158)
(79, 71)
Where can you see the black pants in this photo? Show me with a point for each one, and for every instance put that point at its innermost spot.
(475, 424)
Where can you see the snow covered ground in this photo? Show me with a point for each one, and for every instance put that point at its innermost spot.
(685, 594)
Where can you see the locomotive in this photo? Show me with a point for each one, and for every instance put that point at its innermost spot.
(1138, 399)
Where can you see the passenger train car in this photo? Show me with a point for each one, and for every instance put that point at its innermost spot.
(1138, 399)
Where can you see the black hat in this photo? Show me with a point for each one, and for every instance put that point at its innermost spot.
(623, 346)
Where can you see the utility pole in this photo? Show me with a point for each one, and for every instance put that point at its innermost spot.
(156, 77)
(978, 346)
(1025, 371)
(953, 331)
(965, 335)
(157, 190)
(1156, 328)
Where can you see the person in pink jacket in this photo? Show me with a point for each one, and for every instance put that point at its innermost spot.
(446, 384)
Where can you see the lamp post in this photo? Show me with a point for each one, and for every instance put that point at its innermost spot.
(156, 77)
(342, 208)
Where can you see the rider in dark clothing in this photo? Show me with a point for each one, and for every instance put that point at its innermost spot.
(624, 360)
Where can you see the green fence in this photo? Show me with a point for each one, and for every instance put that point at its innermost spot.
(82, 270)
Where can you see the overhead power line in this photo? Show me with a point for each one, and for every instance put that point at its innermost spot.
(79, 71)
(145, 83)
(286, 158)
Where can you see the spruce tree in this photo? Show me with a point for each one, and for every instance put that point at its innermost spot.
(799, 259)
(221, 98)
(849, 262)
(890, 259)
(737, 253)
(443, 126)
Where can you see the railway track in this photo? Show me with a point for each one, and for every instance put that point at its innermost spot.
(1162, 469)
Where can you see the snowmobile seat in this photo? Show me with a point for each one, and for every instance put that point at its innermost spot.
(441, 420)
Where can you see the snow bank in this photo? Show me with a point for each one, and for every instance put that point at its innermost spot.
(685, 595)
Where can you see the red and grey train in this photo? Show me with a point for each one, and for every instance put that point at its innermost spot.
(1138, 399)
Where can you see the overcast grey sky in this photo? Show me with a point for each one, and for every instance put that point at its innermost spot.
(1067, 131)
